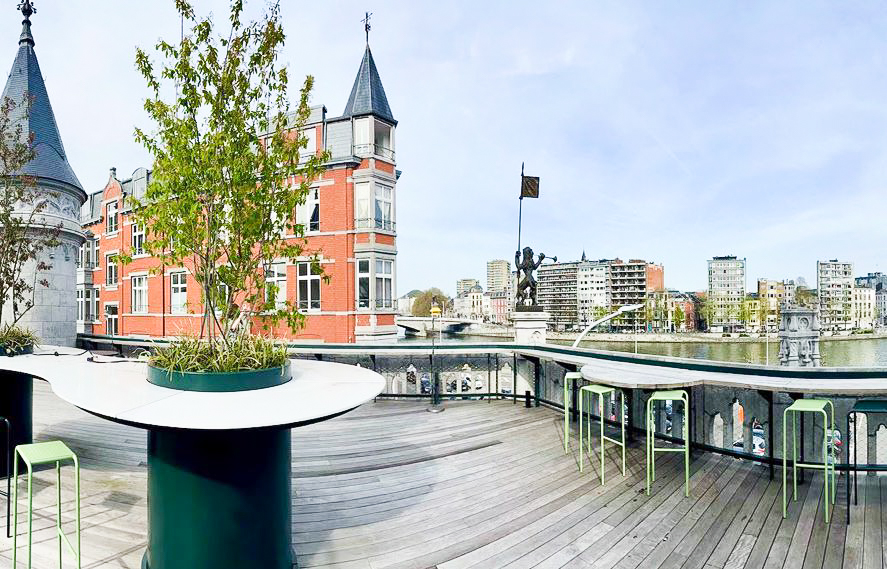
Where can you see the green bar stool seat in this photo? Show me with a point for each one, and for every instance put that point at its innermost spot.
(652, 449)
(37, 454)
(587, 393)
(816, 406)
(569, 377)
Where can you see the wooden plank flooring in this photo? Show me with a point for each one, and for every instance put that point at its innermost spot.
(483, 485)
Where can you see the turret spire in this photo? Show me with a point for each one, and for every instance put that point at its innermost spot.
(27, 8)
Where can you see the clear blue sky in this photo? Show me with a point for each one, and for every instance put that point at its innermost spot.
(669, 131)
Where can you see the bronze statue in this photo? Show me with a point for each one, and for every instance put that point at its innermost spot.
(526, 286)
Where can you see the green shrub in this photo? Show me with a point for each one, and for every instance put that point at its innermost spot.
(15, 339)
(240, 354)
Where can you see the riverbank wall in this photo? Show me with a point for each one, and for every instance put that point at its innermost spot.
(679, 338)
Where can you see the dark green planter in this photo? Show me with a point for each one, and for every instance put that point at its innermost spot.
(220, 381)
(17, 405)
(23, 351)
(219, 499)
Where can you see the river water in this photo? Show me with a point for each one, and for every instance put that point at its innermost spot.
(864, 352)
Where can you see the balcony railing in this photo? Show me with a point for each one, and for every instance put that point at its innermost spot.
(375, 223)
(369, 150)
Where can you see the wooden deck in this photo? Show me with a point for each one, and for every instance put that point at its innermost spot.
(484, 484)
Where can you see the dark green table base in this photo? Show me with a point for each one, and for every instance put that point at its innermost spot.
(17, 405)
(219, 499)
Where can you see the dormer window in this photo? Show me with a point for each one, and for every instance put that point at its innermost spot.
(111, 218)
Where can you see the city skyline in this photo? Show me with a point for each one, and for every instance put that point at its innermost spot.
(670, 133)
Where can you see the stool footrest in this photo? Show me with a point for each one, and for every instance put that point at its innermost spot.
(614, 441)
(813, 465)
(663, 449)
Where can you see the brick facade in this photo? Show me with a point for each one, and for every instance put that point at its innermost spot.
(350, 226)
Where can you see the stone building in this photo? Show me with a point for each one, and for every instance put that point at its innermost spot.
(349, 220)
(53, 316)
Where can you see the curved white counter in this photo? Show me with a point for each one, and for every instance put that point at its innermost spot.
(117, 389)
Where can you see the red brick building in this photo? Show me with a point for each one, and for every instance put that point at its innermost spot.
(349, 218)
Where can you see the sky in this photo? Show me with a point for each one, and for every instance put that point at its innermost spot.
(666, 131)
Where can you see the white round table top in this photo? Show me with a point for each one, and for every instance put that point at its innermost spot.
(118, 390)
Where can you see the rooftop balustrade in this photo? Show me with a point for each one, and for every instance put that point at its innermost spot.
(487, 483)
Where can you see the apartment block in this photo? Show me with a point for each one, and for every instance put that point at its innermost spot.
(834, 283)
(557, 294)
(726, 291)
(498, 276)
(863, 311)
(591, 290)
(628, 282)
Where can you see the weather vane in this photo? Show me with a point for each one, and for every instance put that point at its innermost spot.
(366, 25)
(27, 8)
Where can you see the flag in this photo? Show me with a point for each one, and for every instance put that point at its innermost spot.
(529, 187)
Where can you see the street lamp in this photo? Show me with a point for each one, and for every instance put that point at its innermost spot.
(436, 407)
(607, 318)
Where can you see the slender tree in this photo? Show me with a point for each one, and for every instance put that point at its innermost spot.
(25, 230)
(228, 174)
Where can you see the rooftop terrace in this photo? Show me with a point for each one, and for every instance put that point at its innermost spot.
(484, 484)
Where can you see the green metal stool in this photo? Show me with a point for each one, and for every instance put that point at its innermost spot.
(570, 376)
(669, 395)
(808, 406)
(588, 392)
(37, 454)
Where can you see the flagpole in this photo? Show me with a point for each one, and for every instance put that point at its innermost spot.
(520, 202)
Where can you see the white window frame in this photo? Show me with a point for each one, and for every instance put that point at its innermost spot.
(178, 292)
(305, 275)
(379, 270)
(367, 275)
(95, 304)
(111, 262)
(109, 318)
(112, 214)
(308, 213)
(80, 305)
(380, 201)
(139, 294)
(278, 278)
(137, 240)
(310, 149)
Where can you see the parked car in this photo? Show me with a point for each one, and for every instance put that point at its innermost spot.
(425, 384)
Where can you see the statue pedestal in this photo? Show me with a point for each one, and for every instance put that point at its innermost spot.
(799, 338)
(530, 327)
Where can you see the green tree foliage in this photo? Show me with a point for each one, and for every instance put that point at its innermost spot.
(227, 171)
(679, 317)
(22, 208)
(804, 297)
(424, 301)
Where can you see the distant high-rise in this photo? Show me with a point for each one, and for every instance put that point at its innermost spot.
(834, 284)
(464, 285)
(628, 282)
(726, 290)
(498, 276)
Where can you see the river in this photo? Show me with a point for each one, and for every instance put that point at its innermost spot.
(863, 352)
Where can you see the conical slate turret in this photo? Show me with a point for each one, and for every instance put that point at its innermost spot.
(25, 79)
(367, 94)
